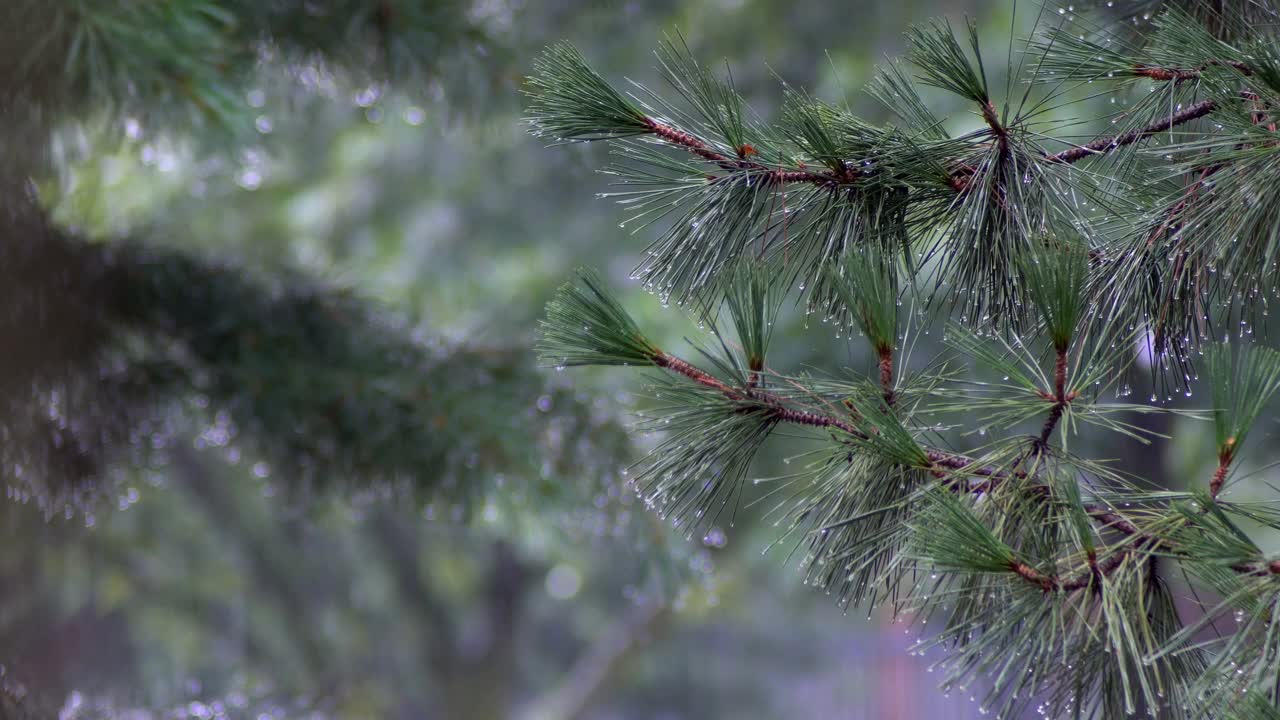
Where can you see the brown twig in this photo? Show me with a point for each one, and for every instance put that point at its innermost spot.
(1051, 583)
(1219, 476)
(1106, 143)
(1060, 398)
(957, 179)
(1060, 376)
(1176, 75)
(992, 119)
(698, 147)
(757, 397)
(1165, 74)
(680, 367)
(886, 375)
(1225, 456)
(1033, 576)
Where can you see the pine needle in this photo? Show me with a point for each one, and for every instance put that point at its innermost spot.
(585, 325)
(866, 282)
(1243, 382)
(752, 297)
(570, 101)
(1055, 278)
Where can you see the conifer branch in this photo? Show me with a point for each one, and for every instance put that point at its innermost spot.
(1021, 250)
(776, 176)
(1165, 74)
(1089, 578)
(1112, 520)
(940, 460)
(683, 139)
(780, 409)
(957, 179)
(752, 396)
(1243, 382)
(1033, 576)
(702, 377)
(1106, 143)
(943, 460)
(1174, 74)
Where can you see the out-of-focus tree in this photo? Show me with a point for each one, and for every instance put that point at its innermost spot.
(146, 372)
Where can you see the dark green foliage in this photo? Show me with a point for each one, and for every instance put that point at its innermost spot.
(714, 224)
(324, 386)
(893, 88)
(1069, 653)
(841, 225)
(882, 434)
(1254, 706)
(190, 59)
(714, 103)
(994, 226)
(825, 133)
(1227, 561)
(851, 519)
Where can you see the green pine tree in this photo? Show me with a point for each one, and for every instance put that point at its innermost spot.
(1055, 260)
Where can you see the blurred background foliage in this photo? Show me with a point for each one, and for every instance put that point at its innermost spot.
(347, 491)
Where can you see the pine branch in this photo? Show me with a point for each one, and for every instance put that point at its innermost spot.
(957, 179)
(586, 326)
(725, 436)
(1180, 74)
(1106, 143)
(1090, 578)
(680, 367)
(752, 296)
(564, 67)
(783, 410)
(1014, 236)
(968, 545)
(775, 405)
(940, 461)
(771, 175)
